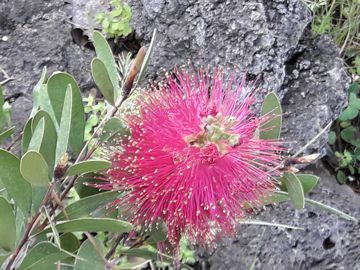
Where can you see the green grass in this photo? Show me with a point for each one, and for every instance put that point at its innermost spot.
(341, 20)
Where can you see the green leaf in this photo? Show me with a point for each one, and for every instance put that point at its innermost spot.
(57, 86)
(324, 207)
(158, 233)
(356, 153)
(341, 177)
(277, 198)
(87, 205)
(38, 194)
(45, 104)
(26, 137)
(348, 114)
(331, 137)
(43, 256)
(265, 223)
(90, 256)
(37, 136)
(354, 102)
(65, 126)
(92, 225)
(114, 126)
(20, 221)
(348, 134)
(16, 186)
(88, 166)
(7, 226)
(142, 253)
(5, 113)
(330, 210)
(3, 256)
(83, 190)
(345, 124)
(308, 181)
(69, 242)
(104, 53)
(147, 58)
(295, 190)
(102, 80)
(271, 107)
(37, 92)
(7, 133)
(354, 88)
(48, 144)
(2, 99)
(34, 169)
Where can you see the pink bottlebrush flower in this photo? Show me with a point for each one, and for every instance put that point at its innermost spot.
(193, 161)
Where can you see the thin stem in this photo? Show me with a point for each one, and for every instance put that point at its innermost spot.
(114, 246)
(33, 222)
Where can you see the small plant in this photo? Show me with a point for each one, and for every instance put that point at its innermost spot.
(5, 117)
(345, 138)
(341, 20)
(116, 23)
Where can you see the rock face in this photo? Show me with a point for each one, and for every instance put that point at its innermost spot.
(264, 38)
(314, 87)
(327, 241)
(260, 37)
(34, 34)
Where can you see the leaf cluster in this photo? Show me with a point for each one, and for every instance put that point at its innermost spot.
(116, 23)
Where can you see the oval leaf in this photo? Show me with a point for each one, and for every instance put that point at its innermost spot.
(16, 186)
(69, 242)
(308, 181)
(295, 190)
(87, 205)
(34, 169)
(3, 256)
(26, 137)
(65, 126)
(271, 107)
(37, 136)
(43, 256)
(104, 53)
(37, 91)
(90, 256)
(88, 166)
(92, 225)
(114, 127)
(48, 144)
(102, 80)
(57, 86)
(7, 226)
(331, 210)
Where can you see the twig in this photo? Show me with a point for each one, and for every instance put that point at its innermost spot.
(14, 142)
(302, 149)
(6, 76)
(114, 246)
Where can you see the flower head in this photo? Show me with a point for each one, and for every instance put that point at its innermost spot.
(193, 160)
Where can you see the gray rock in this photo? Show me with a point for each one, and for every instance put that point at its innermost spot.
(327, 242)
(262, 39)
(37, 34)
(257, 36)
(315, 95)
